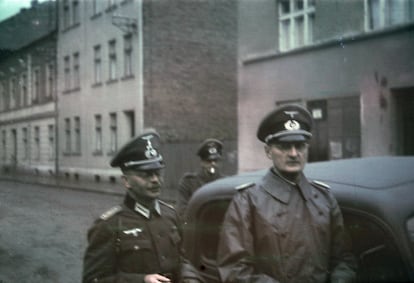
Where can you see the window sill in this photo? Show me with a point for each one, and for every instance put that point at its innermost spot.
(111, 81)
(73, 26)
(97, 153)
(71, 90)
(95, 85)
(128, 77)
(111, 8)
(111, 153)
(97, 15)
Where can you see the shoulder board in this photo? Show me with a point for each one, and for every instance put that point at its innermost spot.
(166, 204)
(244, 186)
(111, 212)
(320, 185)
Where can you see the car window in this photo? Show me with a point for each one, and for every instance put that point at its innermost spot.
(211, 218)
(207, 235)
(378, 256)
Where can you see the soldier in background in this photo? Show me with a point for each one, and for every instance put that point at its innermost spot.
(138, 240)
(210, 153)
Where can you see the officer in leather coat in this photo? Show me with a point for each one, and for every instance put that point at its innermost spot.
(285, 228)
(138, 240)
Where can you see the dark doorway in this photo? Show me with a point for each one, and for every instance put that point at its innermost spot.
(405, 121)
(319, 150)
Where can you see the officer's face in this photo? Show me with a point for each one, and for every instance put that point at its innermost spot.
(144, 184)
(210, 166)
(288, 157)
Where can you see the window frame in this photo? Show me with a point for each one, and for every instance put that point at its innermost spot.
(291, 35)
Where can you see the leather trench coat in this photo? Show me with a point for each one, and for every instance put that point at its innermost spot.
(277, 231)
(129, 241)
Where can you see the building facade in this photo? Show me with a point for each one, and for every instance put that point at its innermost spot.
(28, 91)
(351, 63)
(128, 65)
(100, 86)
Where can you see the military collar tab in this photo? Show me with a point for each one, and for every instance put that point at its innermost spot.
(145, 211)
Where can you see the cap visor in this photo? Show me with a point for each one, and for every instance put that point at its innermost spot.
(292, 138)
(150, 166)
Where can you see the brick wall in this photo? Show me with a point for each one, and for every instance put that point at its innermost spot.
(190, 64)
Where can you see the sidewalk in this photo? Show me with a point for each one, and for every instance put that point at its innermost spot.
(105, 187)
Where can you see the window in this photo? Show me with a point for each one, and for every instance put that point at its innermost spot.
(68, 136)
(128, 56)
(113, 133)
(67, 73)
(77, 136)
(36, 143)
(36, 86)
(66, 14)
(50, 80)
(98, 134)
(97, 64)
(23, 87)
(4, 144)
(375, 248)
(76, 71)
(130, 122)
(25, 141)
(385, 13)
(96, 7)
(13, 92)
(75, 11)
(111, 3)
(112, 60)
(2, 97)
(296, 19)
(51, 141)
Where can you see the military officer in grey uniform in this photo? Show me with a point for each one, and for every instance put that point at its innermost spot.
(210, 153)
(138, 240)
(285, 228)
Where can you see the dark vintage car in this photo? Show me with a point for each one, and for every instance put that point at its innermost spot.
(376, 195)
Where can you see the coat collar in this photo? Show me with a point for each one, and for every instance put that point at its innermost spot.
(141, 208)
(281, 188)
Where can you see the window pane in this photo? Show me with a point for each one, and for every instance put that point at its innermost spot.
(298, 5)
(299, 28)
(284, 7)
(396, 12)
(284, 35)
(374, 13)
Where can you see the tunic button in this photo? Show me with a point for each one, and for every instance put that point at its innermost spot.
(136, 247)
(320, 212)
(315, 195)
(163, 257)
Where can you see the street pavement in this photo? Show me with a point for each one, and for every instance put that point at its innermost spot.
(43, 230)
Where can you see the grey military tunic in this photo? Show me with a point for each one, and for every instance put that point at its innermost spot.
(130, 241)
(190, 183)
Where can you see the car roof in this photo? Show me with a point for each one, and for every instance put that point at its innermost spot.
(377, 185)
(377, 173)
